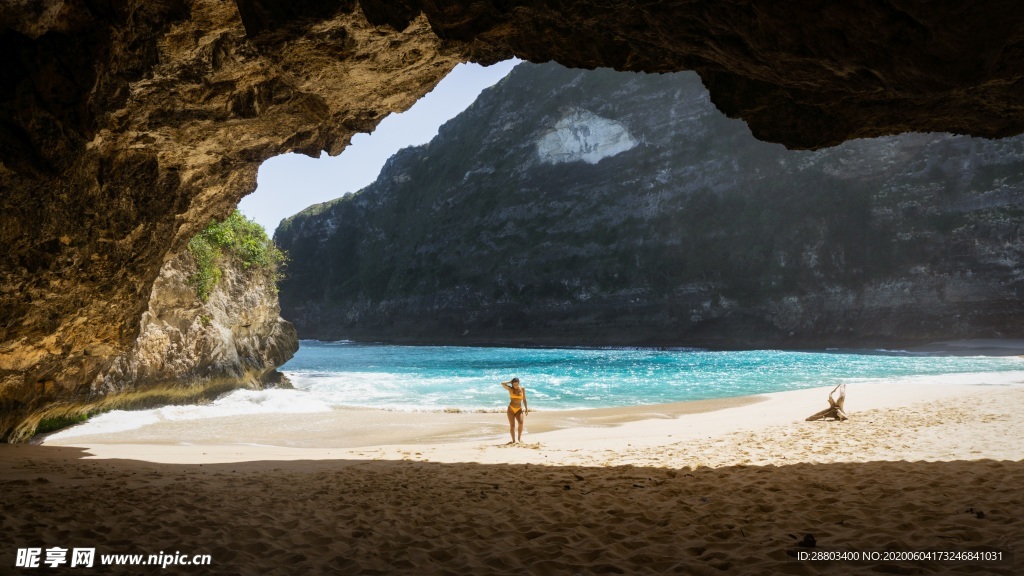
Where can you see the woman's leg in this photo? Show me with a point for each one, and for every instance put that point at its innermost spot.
(519, 418)
(511, 423)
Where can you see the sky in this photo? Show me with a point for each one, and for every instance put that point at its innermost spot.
(291, 182)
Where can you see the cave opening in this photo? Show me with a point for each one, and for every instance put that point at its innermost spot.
(292, 182)
(125, 127)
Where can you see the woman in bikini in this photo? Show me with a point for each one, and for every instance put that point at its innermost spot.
(517, 408)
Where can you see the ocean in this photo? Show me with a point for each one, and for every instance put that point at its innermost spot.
(448, 377)
(327, 375)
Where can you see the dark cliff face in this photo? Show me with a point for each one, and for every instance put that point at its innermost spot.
(571, 207)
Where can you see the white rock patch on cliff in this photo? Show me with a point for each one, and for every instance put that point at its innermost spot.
(583, 135)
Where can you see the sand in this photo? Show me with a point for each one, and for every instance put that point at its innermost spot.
(725, 487)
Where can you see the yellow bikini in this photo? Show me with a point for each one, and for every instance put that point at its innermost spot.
(511, 396)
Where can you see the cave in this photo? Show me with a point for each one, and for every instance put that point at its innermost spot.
(125, 126)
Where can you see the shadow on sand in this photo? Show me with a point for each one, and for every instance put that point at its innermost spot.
(387, 517)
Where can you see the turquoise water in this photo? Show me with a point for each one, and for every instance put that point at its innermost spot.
(438, 377)
(329, 375)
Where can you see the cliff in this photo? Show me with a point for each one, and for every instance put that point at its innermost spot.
(193, 343)
(126, 125)
(569, 207)
(236, 337)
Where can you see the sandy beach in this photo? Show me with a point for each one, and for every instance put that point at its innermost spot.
(736, 486)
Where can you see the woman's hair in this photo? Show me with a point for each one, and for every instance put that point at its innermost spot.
(515, 380)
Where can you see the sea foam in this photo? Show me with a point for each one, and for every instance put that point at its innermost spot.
(238, 402)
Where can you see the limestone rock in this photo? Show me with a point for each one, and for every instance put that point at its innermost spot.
(187, 349)
(580, 135)
(125, 127)
(236, 338)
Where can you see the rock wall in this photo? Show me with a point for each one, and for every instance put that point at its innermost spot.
(125, 125)
(187, 349)
(236, 336)
(694, 234)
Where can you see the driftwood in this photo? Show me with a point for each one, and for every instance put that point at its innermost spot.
(835, 407)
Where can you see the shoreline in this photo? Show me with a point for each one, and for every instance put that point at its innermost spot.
(479, 436)
(265, 402)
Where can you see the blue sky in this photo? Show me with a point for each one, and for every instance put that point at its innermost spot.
(291, 182)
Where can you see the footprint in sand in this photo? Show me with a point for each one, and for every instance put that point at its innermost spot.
(535, 446)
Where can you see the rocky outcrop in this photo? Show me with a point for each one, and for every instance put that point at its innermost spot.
(570, 208)
(188, 349)
(236, 337)
(125, 125)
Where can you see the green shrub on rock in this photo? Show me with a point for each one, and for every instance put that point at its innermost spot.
(235, 237)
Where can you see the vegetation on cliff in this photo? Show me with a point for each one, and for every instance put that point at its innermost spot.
(235, 237)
